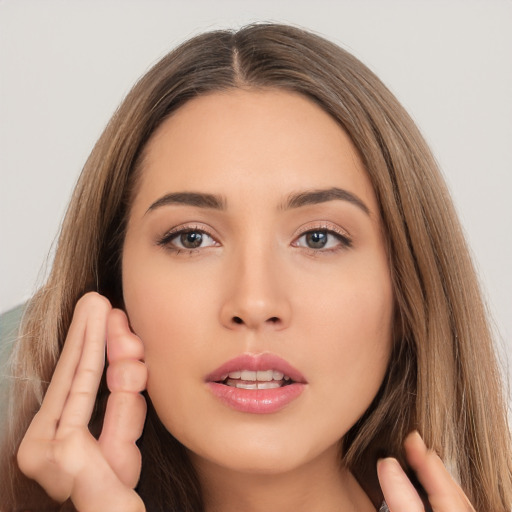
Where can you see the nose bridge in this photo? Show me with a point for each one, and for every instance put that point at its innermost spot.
(257, 297)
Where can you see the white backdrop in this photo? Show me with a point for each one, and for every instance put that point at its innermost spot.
(65, 66)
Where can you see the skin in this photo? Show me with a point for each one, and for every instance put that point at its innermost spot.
(252, 286)
(331, 309)
(58, 451)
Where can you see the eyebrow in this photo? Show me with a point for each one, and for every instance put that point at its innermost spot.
(297, 200)
(309, 197)
(197, 199)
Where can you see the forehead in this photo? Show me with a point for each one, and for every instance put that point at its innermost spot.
(271, 140)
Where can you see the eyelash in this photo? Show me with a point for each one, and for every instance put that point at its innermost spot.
(166, 240)
(345, 242)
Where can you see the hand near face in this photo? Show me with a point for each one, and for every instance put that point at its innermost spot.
(444, 494)
(58, 451)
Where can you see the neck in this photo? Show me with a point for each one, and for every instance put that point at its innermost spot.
(318, 486)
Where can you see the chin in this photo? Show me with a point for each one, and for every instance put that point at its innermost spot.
(254, 452)
(251, 461)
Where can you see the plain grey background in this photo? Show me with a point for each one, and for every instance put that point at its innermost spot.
(66, 65)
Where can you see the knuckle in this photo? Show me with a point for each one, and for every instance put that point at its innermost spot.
(89, 372)
(68, 453)
(81, 393)
(52, 464)
(27, 461)
(127, 375)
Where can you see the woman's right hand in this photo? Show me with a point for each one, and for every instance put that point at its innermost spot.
(58, 451)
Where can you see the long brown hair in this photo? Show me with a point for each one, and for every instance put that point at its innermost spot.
(442, 377)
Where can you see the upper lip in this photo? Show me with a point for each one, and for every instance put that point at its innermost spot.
(256, 362)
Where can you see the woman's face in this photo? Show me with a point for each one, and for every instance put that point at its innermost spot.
(256, 275)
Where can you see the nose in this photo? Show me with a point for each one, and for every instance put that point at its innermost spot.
(256, 293)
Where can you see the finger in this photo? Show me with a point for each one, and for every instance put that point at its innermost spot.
(45, 423)
(95, 488)
(126, 408)
(122, 426)
(36, 460)
(82, 395)
(36, 454)
(108, 495)
(127, 375)
(399, 493)
(121, 342)
(443, 492)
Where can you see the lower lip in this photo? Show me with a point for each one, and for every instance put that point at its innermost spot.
(257, 401)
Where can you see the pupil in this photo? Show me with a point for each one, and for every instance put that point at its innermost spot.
(191, 240)
(316, 239)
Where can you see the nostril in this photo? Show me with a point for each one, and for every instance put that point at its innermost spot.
(239, 321)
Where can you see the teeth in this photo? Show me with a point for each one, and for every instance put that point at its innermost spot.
(247, 375)
(265, 376)
(261, 379)
(268, 385)
(254, 385)
(246, 385)
(260, 375)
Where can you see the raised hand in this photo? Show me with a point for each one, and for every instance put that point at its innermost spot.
(444, 494)
(58, 451)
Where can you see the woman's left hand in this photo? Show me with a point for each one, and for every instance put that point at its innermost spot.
(444, 494)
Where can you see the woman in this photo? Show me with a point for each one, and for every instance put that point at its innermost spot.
(273, 226)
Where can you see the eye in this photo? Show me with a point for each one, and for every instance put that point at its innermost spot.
(322, 239)
(187, 239)
(191, 239)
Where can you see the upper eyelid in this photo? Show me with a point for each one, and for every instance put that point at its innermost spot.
(302, 230)
(189, 227)
(322, 226)
(343, 236)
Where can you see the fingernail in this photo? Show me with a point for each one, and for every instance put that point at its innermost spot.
(394, 465)
(391, 462)
(417, 435)
(415, 439)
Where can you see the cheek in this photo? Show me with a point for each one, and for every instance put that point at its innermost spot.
(359, 326)
(351, 311)
(163, 302)
(172, 312)
(350, 331)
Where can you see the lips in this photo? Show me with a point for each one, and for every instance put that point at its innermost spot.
(258, 384)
